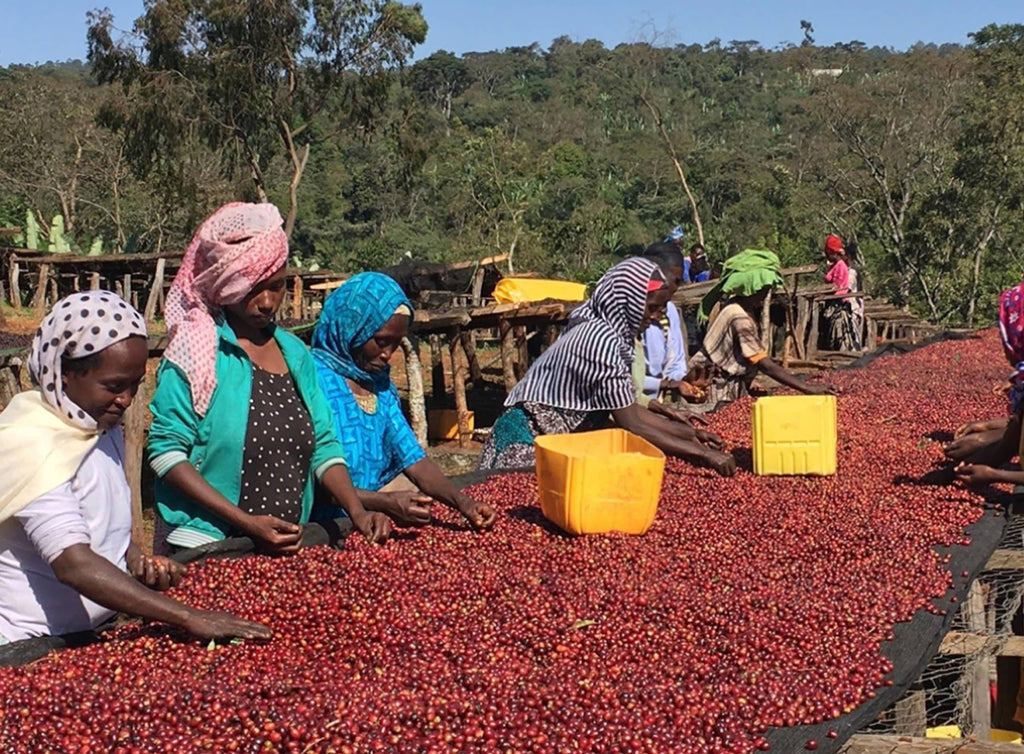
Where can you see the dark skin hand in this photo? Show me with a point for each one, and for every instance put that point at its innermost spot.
(672, 438)
(979, 475)
(972, 428)
(154, 571)
(987, 447)
(104, 583)
(777, 372)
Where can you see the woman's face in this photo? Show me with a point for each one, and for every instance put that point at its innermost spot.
(258, 309)
(376, 352)
(106, 388)
(656, 302)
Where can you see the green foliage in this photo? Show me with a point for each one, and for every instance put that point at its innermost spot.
(550, 155)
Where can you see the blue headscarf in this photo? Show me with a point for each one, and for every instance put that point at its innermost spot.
(351, 315)
(676, 234)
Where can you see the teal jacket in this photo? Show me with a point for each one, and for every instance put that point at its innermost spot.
(215, 443)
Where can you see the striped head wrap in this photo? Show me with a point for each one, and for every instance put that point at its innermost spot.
(589, 367)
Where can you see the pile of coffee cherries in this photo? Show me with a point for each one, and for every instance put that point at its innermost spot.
(751, 603)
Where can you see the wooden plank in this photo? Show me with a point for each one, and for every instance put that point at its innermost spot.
(459, 386)
(134, 442)
(971, 643)
(1006, 560)
(868, 744)
(156, 289)
(75, 260)
(39, 300)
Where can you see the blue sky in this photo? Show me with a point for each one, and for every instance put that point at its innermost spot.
(40, 30)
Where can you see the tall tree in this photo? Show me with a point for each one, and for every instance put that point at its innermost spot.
(249, 79)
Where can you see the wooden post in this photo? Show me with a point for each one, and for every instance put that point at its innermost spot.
(155, 289)
(523, 354)
(910, 715)
(803, 313)
(478, 286)
(15, 286)
(685, 332)
(76, 283)
(297, 297)
(871, 325)
(94, 281)
(3, 297)
(812, 337)
(475, 373)
(134, 442)
(414, 376)
(437, 387)
(766, 324)
(977, 675)
(39, 302)
(54, 295)
(10, 384)
(508, 354)
(459, 385)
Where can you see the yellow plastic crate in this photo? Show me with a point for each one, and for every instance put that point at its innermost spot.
(525, 290)
(596, 482)
(795, 434)
(954, 732)
(443, 424)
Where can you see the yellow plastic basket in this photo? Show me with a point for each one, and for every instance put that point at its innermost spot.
(795, 434)
(596, 482)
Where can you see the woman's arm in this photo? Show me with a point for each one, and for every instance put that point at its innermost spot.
(777, 372)
(374, 526)
(101, 581)
(274, 534)
(671, 438)
(426, 475)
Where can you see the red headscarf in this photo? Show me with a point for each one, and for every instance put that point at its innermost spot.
(834, 244)
(237, 247)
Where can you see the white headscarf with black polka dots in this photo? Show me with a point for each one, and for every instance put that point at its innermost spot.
(80, 325)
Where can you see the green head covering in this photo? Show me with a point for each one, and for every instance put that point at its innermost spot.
(743, 275)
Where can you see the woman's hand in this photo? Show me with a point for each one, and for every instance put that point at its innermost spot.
(480, 515)
(376, 527)
(274, 535)
(409, 508)
(156, 572)
(816, 388)
(207, 624)
(978, 475)
(974, 428)
(710, 439)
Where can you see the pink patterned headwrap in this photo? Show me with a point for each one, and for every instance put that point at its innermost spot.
(1011, 330)
(236, 248)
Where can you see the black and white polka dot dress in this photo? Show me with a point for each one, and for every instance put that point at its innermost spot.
(279, 444)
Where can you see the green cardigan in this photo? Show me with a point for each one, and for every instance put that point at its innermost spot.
(215, 443)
